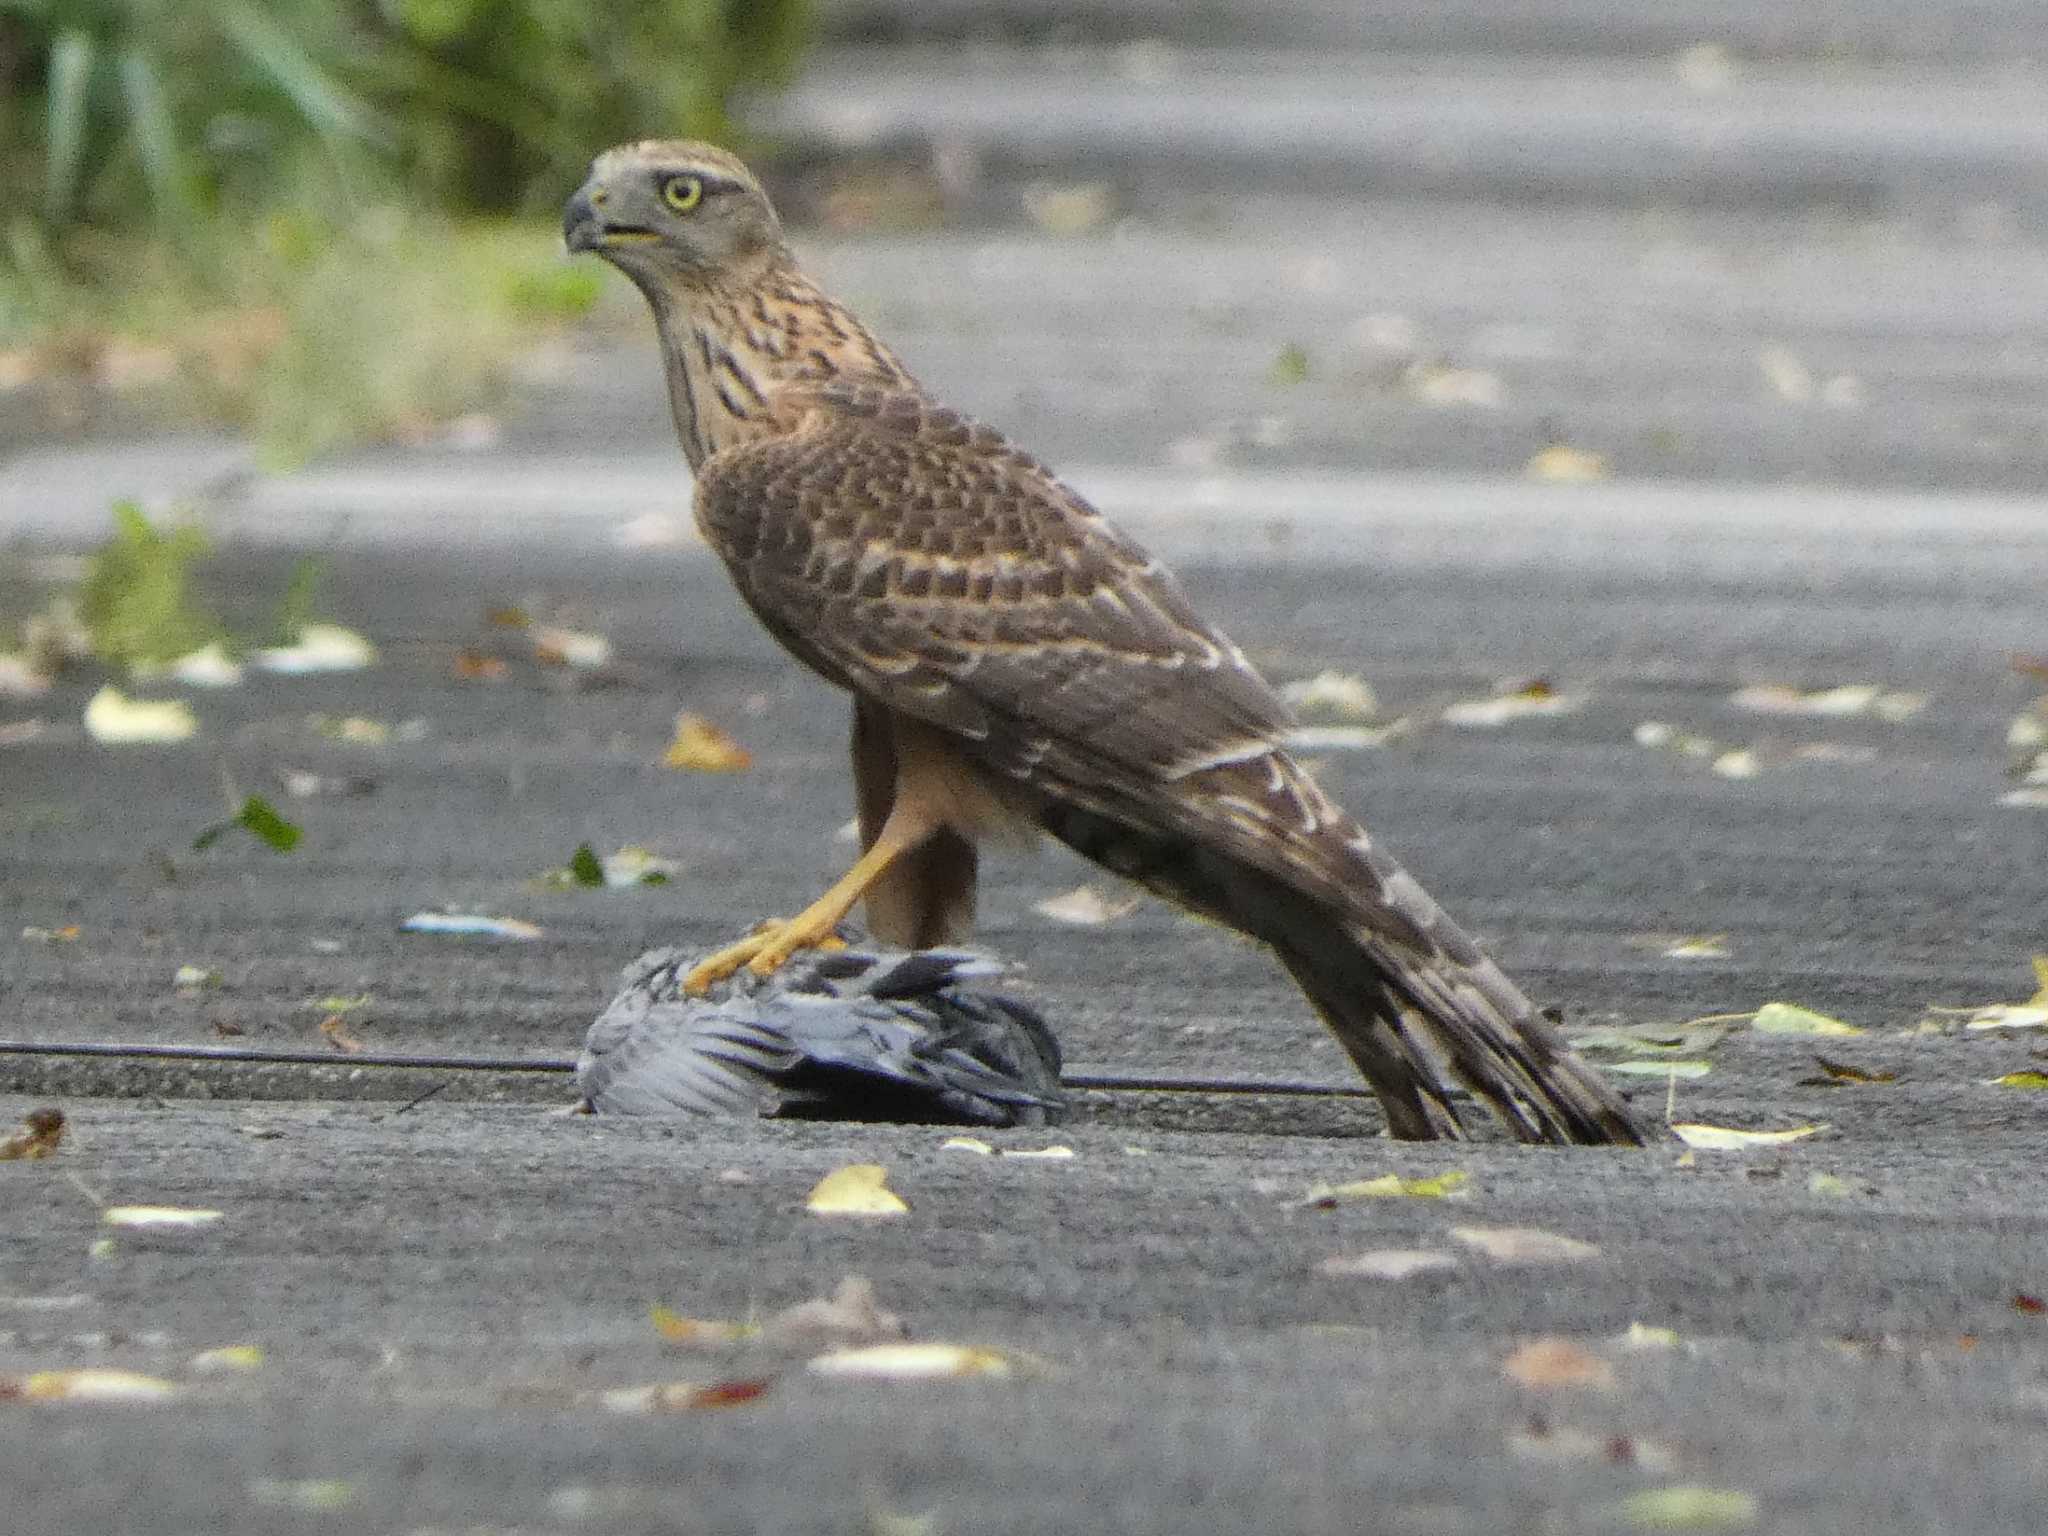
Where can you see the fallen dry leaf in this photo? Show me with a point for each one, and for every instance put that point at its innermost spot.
(114, 719)
(474, 666)
(683, 1396)
(334, 1030)
(471, 923)
(1534, 700)
(1332, 695)
(850, 1315)
(1646, 1336)
(1440, 1186)
(1388, 1263)
(1845, 1072)
(1713, 946)
(96, 1385)
(162, 1216)
(696, 1332)
(2027, 1302)
(68, 934)
(1525, 1245)
(1545, 1364)
(1085, 906)
(1791, 1019)
(701, 747)
(912, 1362)
(42, 1132)
(1563, 464)
(858, 1189)
(578, 649)
(1722, 1138)
(320, 648)
(2034, 1081)
(228, 1359)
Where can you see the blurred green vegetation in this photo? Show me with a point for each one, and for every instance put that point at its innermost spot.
(327, 219)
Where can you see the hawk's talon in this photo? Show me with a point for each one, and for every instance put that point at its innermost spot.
(720, 964)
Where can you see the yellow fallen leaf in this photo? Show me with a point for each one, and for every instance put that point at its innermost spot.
(1791, 1019)
(1389, 1186)
(1739, 763)
(677, 1329)
(1565, 465)
(157, 1216)
(1525, 1245)
(1544, 1364)
(2033, 1080)
(1649, 1336)
(1053, 1154)
(972, 1144)
(912, 1362)
(228, 1358)
(97, 1385)
(116, 720)
(858, 1189)
(1689, 1509)
(1722, 1138)
(1712, 946)
(702, 747)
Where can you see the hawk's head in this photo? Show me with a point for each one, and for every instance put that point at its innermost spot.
(672, 211)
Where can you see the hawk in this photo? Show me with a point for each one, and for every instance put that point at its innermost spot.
(1018, 664)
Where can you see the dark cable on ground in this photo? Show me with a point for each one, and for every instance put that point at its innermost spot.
(1079, 1077)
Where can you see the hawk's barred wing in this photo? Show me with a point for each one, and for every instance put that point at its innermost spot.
(924, 563)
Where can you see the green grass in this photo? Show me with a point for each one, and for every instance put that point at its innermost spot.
(306, 335)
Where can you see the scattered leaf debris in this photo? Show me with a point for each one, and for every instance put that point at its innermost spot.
(580, 650)
(1549, 1363)
(1525, 1245)
(684, 1396)
(469, 923)
(1085, 906)
(858, 1189)
(1722, 1138)
(701, 747)
(698, 1332)
(1442, 1186)
(228, 1359)
(319, 649)
(68, 934)
(1838, 703)
(1791, 1019)
(850, 1315)
(1834, 1071)
(1562, 464)
(94, 1384)
(260, 819)
(1687, 1508)
(113, 719)
(41, 1134)
(1332, 695)
(1388, 1263)
(1290, 365)
(165, 1217)
(1519, 701)
(912, 1362)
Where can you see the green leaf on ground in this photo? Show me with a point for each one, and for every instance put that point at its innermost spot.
(259, 818)
(136, 601)
(584, 866)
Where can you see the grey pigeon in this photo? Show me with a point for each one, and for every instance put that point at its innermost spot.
(849, 1034)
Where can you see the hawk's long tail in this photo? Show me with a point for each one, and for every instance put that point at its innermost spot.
(1407, 993)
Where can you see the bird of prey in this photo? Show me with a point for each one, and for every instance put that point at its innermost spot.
(858, 1034)
(1017, 663)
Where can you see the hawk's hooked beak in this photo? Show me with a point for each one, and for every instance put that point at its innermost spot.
(582, 229)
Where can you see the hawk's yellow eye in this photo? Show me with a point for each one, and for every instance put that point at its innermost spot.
(682, 193)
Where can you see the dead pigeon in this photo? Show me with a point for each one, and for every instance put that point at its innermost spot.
(848, 1034)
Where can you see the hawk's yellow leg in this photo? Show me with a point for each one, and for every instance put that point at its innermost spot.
(767, 950)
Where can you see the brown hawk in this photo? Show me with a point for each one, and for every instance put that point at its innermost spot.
(1016, 662)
